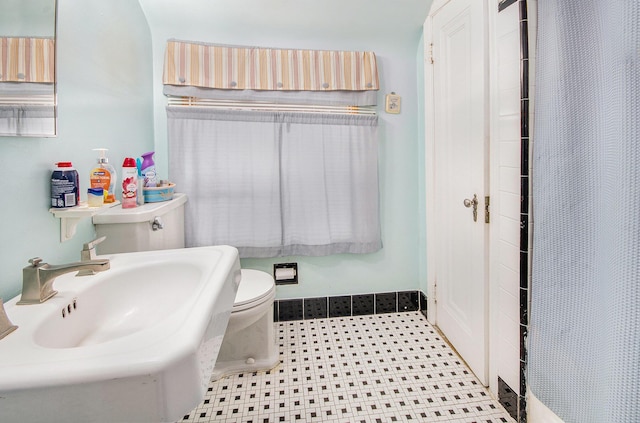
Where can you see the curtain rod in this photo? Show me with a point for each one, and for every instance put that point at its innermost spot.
(46, 100)
(257, 106)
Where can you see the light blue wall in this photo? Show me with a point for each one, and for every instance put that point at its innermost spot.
(105, 100)
(110, 95)
(393, 31)
(27, 18)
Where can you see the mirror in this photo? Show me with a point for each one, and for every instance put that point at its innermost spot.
(27, 68)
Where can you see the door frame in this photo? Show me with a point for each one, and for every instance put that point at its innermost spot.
(430, 180)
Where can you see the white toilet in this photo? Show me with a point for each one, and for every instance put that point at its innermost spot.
(249, 342)
(152, 226)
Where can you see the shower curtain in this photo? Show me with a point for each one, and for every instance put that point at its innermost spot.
(277, 183)
(584, 341)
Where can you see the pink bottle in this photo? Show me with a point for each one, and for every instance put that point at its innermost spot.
(129, 183)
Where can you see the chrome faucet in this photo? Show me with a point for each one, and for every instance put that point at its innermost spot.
(89, 249)
(37, 279)
(88, 253)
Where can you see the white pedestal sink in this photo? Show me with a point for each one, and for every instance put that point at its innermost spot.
(136, 343)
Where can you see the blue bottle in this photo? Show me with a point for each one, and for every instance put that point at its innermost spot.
(65, 186)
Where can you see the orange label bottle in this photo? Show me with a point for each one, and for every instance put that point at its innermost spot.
(101, 178)
(104, 176)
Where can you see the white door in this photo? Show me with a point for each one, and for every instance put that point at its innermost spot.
(461, 180)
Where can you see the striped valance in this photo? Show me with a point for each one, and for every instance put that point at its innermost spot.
(253, 68)
(27, 59)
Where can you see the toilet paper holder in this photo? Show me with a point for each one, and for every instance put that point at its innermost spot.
(285, 273)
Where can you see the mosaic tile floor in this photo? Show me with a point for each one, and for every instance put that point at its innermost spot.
(375, 368)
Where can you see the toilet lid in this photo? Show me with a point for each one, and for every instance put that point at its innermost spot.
(254, 286)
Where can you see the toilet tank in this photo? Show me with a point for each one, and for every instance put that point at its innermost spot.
(152, 226)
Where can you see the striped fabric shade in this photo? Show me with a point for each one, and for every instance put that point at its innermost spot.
(253, 68)
(27, 59)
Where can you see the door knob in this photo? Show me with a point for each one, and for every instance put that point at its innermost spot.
(472, 203)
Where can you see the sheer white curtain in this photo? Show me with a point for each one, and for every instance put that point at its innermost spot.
(27, 109)
(27, 120)
(273, 183)
(584, 354)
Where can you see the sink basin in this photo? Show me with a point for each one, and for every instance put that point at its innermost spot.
(125, 302)
(136, 343)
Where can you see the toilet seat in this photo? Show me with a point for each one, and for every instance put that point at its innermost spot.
(255, 288)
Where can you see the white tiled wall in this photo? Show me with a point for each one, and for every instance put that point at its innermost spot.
(506, 211)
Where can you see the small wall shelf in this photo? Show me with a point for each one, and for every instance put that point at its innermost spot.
(70, 217)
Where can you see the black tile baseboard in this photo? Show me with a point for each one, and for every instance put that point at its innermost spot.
(422, 306)
(386, 302)
(362, 305)
(340, 306)
(289, 310)
(315, 308)
(409, 301)
(508, 398)
(349, 305)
